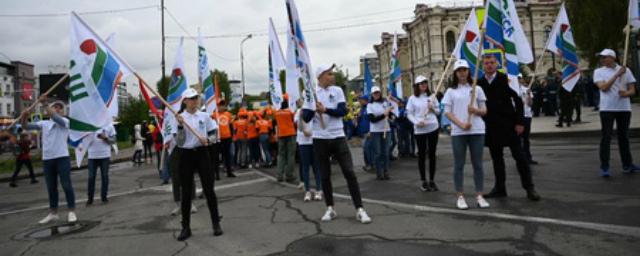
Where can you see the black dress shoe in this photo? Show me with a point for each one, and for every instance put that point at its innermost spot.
(532, 162)
(231, 175)
(533, 195)
(184, 234)
(433, 186)
(89, 202)
(496, 194)
(217, 230)
(386, 176)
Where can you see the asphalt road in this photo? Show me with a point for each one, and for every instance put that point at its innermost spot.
(580, 213)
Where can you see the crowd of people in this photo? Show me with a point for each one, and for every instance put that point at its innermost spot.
(488, 115)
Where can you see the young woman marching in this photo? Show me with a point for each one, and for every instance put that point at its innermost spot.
(422, 111)
(195, 157)
(378, 112)
(466, 132)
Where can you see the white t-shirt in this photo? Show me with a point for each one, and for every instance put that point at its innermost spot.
(99, 148)
(330, 97)
(610, 100)
(201, 123)
(456, 101)
(377, 109)
(523, 95)
(54, 138)
(301, 139)
(418, 111)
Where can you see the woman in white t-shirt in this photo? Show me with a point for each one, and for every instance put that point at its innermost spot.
(304, 138)
(467, 131)
(378, 111)
(422, 111)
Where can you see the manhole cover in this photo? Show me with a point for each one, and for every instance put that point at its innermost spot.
(56, 231)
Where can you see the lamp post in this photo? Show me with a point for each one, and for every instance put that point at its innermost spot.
(242, 63)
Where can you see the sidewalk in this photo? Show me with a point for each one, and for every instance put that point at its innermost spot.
(545, 126)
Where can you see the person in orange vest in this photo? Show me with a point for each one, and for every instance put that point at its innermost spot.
(252, 139)
(240, 131)
(286, 142)
(224, 118)
(264, 128)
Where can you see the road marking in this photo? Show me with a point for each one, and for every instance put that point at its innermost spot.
(608, 228)
(163, 188)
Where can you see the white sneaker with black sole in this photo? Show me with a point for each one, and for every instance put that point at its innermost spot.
(461, 203)
(362, 216)
(329, 215)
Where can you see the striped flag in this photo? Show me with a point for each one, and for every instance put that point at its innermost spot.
(394, 88)
(561, 43)
(504, 31)
(303, 61)
(95, 71)
(113, 108)
(205, 77)
(468, 42)
(177, 85)
(276, 64)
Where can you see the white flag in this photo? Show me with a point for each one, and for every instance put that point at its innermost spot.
(303, 61)
(276, 64)
(177, 85)
(205, 77)
(292, 74)
(634, 14)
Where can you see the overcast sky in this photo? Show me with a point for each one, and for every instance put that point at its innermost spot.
(348, 29)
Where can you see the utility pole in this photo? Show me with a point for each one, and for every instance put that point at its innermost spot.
(242, 62)
(163, 42)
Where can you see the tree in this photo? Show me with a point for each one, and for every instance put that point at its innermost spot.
(134, 113)
(597, 25)
(223, 84)
(163, 88)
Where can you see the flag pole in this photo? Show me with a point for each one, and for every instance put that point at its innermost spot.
(59, 82)
(535, 71)
(444, 73)
(166, 104)
(475, 74)
(626, 44)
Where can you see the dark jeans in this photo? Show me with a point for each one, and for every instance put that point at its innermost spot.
(137, 156)
(94, 164)
(19, 164)
(54, 168)
(394, 141)
(147, 150)
(578, 108)
(191, 161)
(306, 162)
(404, 141)
(264, 143)
(254, 150)
(526, 145)
(367, 150)
(324, 149)
(380, 147)
(497, 157)
(622, 120)
(225, 150)
(286, 157)
(241, 153)
(427, 141)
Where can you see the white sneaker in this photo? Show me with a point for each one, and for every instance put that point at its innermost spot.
(300, 185)
(307, 196)
(72, 218)
(175, 211)
(462, 204)
(481, 202)
(193, 208)
(318, 196)
(329, 215)
(50, 217)
(362, 216)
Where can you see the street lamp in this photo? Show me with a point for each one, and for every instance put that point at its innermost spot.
(242, 62)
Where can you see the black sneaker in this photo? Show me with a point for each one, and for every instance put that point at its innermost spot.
(89, 202)
(425, 187)
(433, 186)
(13, 184)
(496, 194)
(217, 230)
(533, 195)
(231, 175)
(184, 234)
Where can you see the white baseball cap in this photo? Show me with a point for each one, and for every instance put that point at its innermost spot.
(460, 64)
(375, 89)
(607, 52)
(520, 75)
(420, 79)
(189, 93)
(324, 68)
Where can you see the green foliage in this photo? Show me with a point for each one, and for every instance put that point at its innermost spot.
(134, 113)
(223, 84)
(162, 87)
(597, 25)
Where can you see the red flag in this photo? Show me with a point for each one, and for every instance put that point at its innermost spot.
(152, 106)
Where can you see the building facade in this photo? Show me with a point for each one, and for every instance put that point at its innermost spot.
(428, 40)
(17, 87)
(6, 91)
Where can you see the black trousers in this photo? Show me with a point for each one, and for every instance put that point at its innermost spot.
(497, 157)
(191, 161)
(225, 150)
(427, 141)
(174, 169)
(526, 144)
(214, 156)
(622, 120)
(324, 149)
(19, 164)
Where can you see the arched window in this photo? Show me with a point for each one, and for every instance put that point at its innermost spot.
(450, 38)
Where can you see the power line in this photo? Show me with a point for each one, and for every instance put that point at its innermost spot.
(64, 14)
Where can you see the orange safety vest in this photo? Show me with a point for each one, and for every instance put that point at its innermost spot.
(264, 126)
(284, 118)
(224, 124)
(240, 127)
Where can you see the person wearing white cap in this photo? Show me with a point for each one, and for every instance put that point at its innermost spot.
(55, 156)
(466, 131)
(195, 156)
(504, 123)
(378, 111)
(616, 86)
(422, 111)
(329, 141)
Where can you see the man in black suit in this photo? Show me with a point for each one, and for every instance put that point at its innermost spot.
(504, 123)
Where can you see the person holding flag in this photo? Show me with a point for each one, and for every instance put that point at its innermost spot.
(55, 156)
(99, 152)
(617, 85)
(195, 157)
(379, 112)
